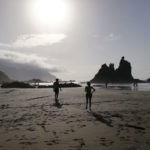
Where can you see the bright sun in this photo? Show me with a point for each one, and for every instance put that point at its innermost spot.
(52, 13)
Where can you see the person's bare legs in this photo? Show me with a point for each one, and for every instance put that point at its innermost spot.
(86, 101)
(56, 96)
(90, 104)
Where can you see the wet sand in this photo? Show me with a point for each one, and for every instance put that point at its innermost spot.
(29, 120)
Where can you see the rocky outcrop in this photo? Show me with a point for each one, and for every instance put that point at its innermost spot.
(107, 74)
(148, 80)
(16, 84)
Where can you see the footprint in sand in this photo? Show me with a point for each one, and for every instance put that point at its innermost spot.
(4, 106)
(8, 140)
(27, 143)
(147, 142)
(83, 125)
(106, 142)
(81, 143)
(54, 132)
(52, 142)
(31, 129)
(68, 131)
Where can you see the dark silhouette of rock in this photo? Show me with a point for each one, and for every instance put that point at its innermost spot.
(123, 73)
(63, 85)
(148, 80)
(4, 77)
(107, 74)
(16, 84)
(67, 85)
(25, 72)
(35, 81)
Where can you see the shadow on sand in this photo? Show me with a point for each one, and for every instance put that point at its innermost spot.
(100, 118)
(57, 104)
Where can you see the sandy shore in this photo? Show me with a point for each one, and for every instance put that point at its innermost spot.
(29, 120)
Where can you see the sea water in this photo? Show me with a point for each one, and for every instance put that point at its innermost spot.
(140, 86)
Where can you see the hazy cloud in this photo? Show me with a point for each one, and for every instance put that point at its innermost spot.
(20, 66)
(30, 59)
(112, 37)
(34, 40)
(96, 36)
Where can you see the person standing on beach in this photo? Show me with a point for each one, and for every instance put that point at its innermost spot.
(56, 87)
(135, 83)
(89, 91)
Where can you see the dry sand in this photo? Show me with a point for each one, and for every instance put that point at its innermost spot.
(29, 120)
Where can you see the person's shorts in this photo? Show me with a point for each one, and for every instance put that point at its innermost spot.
(88, 95)
(56, 91)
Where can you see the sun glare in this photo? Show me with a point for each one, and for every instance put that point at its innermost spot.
(52, 13)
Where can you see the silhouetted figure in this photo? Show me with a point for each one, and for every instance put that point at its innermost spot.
(56, 87)
(106, 84)
(135, 83)
(89, 91)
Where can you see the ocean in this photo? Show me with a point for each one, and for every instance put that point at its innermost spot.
(140, 87)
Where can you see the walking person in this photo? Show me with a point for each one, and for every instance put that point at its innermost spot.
(56, 87)
(89, 91)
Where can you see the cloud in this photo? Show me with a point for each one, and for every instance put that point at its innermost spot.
(112, 37)
(30, 59)
(21, 66)
(96, 36)
(34, 40)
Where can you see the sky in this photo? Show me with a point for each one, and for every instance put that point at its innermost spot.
(72, 38)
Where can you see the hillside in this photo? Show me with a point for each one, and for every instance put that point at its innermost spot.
(4, 77)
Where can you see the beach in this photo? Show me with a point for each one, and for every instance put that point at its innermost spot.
(30, 119)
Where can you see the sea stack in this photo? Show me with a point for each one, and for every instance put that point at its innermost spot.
(108, 74)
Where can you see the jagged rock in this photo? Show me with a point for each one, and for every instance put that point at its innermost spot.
(35, 81)
(123, 73)
(63, 85)
(67, 85)
(108, 74)
(148, 80)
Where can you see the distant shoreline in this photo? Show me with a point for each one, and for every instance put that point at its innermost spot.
(111, 86)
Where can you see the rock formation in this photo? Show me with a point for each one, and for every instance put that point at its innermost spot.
(16, 84)
(107, 74)
(148, 80)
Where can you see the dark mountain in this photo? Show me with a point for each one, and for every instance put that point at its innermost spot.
(3, 77)
(35, 81)
(26, 72)
(22, 70)
(148, 80)
(123, 74)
